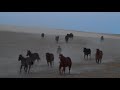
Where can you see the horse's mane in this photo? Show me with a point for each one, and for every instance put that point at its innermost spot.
(62, 58)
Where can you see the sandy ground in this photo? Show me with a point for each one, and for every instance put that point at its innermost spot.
(14, 43)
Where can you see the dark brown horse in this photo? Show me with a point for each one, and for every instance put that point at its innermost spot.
(50, 59)
(64, 62)
(25, 62)
(98, 56)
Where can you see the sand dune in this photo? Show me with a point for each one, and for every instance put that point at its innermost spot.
(16, 42)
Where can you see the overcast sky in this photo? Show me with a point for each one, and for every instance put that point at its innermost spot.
(104, 22)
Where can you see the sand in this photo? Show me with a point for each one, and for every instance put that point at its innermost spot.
(14, 42)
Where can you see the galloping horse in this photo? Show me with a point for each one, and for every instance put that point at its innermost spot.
(64, 62)
(26, 62)
(33, 56)
(50, 58)
(98, 56)
(87, 51)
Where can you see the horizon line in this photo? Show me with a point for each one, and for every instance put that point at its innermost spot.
(37, 27)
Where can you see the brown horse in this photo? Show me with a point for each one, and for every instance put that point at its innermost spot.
(98, 56)
(64, 62)
(50, 59)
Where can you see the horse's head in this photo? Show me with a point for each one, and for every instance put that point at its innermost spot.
(20, 57)
(97, 50)
(84, 49)
(47, 53)
(28, 53)
(60, 56)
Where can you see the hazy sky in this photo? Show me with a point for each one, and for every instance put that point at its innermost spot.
(104, 22)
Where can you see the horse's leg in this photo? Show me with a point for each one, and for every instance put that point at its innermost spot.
(26, 69)
(96, 60)
(59, 69)
(84, 56)
(100, 60)
(87, 56)
(90, 56)
(51, 63)
(38, 58)
(20, 68)
(29, 68)
(48, 64)
(69, 68)
(64, 70)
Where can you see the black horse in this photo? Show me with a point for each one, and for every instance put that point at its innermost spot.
(42, 35)
(57, 38)
(87, 51)
(25, 62)
(66, 38)
(33, 56)
(50, 59)
(71, 35)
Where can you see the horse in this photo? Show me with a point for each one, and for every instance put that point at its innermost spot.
(57, 38)
(33, 56)
(66, 38)
(102, 38)
(87, 51)
(64, 62)
(50, 59)
(71, 35)
(26, 62)
(42, 35)
(98, 56)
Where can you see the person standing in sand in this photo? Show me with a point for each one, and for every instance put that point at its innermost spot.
(59, 50)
